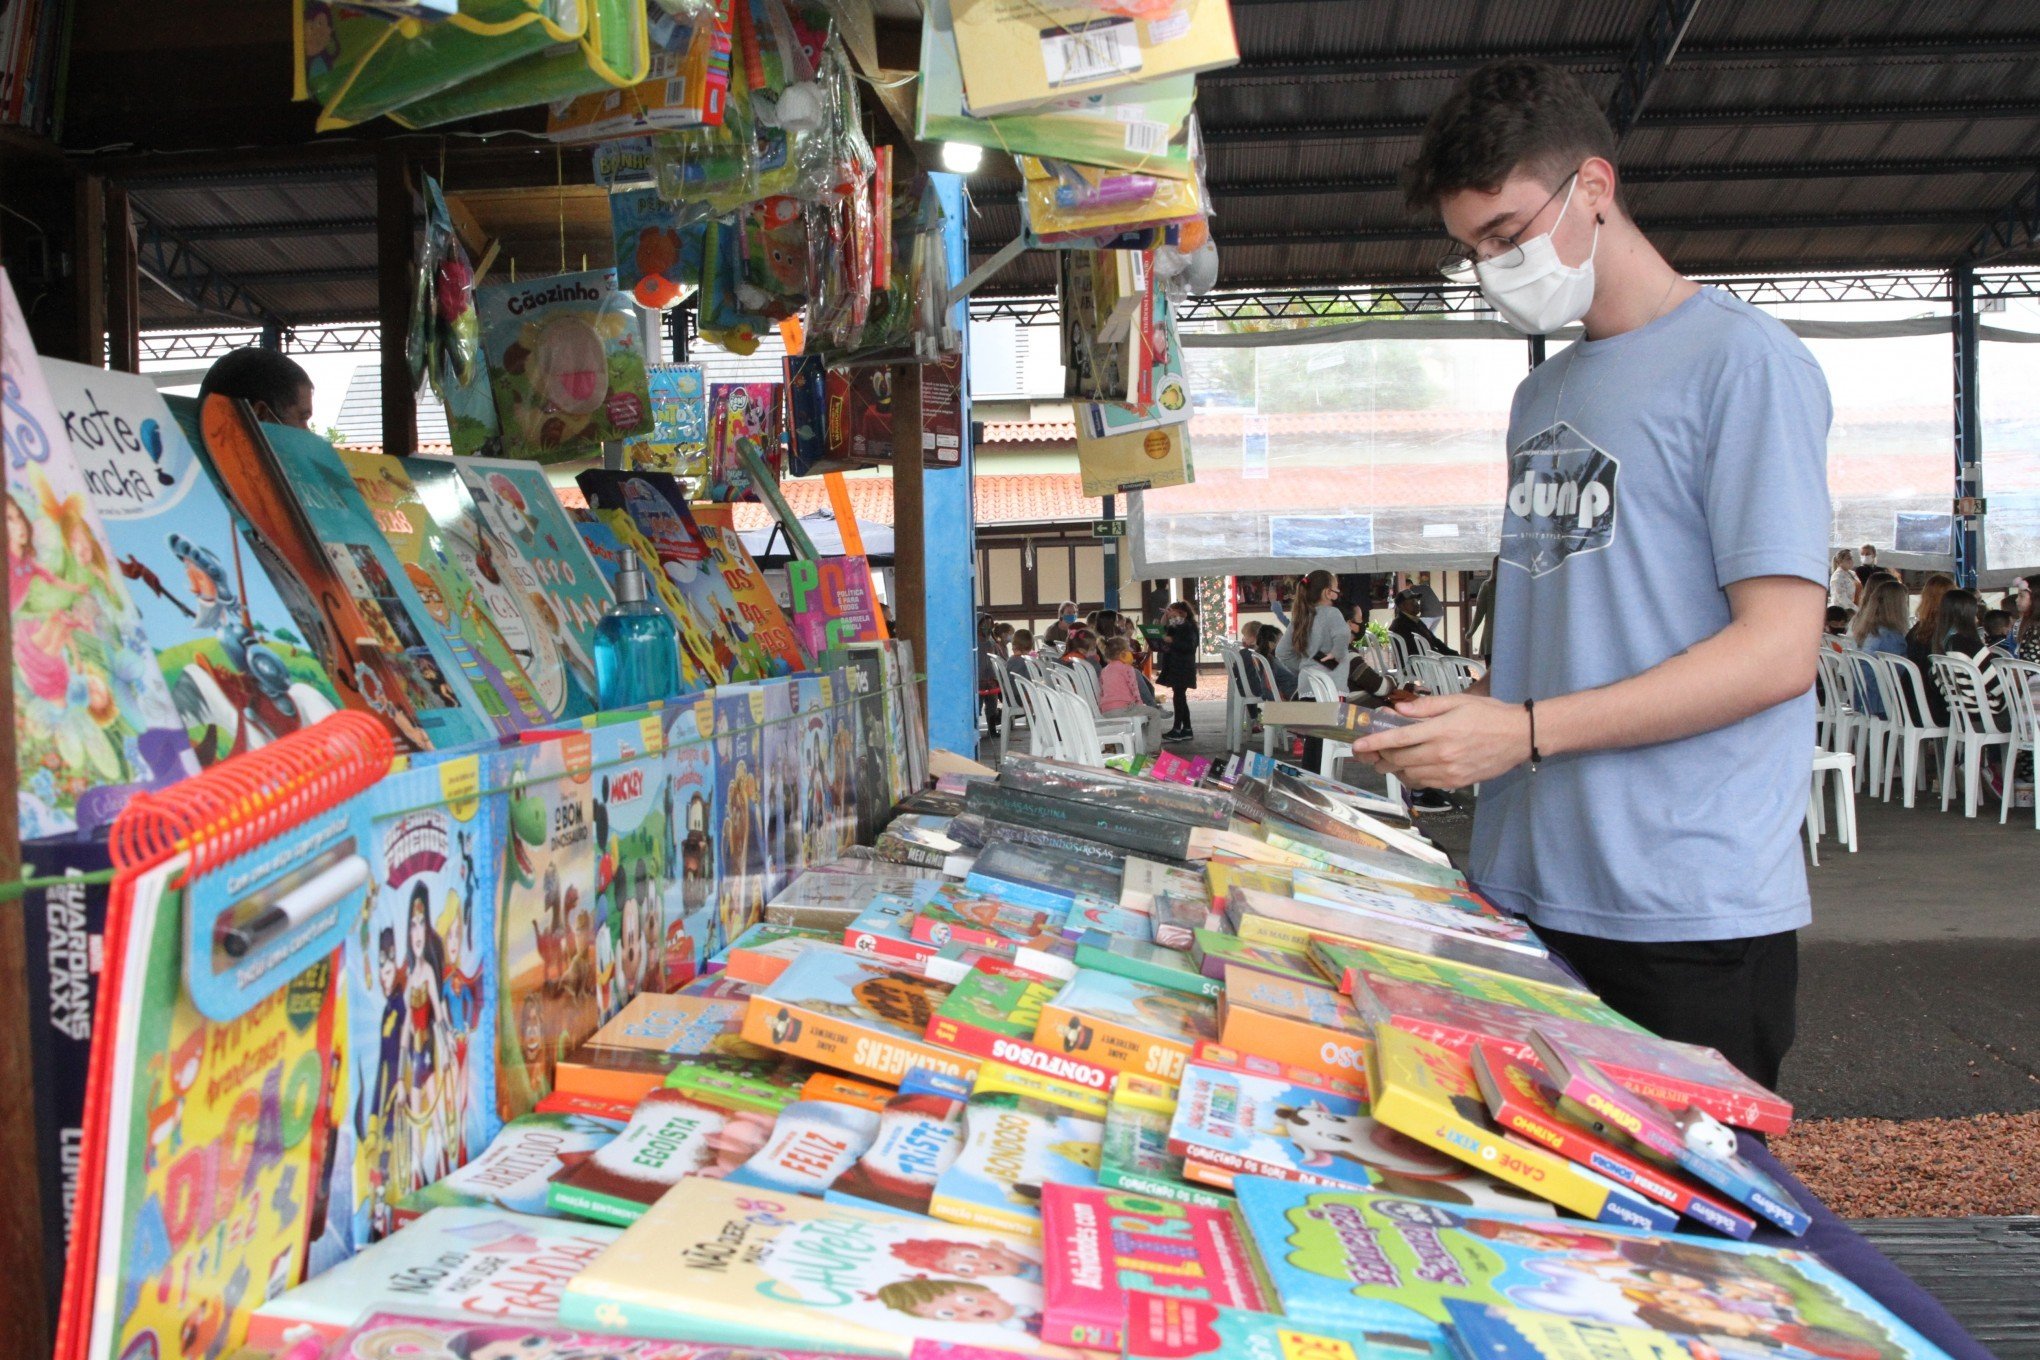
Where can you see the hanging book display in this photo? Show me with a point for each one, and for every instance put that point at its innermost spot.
(93, 720)
(678, 439)
(237, 669)
(564, 364)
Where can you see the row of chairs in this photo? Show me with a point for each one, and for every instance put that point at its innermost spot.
(1068, 731)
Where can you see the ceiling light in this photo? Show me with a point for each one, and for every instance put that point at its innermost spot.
(961, 157)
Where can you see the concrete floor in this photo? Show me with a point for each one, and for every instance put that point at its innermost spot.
(1920, 977)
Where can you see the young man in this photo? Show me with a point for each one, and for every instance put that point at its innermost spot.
(1410, 625)
(1866, 561)
(1644, 742)
(274, 384)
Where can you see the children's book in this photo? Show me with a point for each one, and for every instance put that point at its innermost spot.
(920, 1131)
(507, 695)
(1439, 950)
(1163, 1327)
(237, 669)
(1348, 959)
(1320, 806)
(692, 912)
(1175, 901)
(631, 842)
(740, 411)
(1440, 910)
(885, 926)
(1144, 962)
(341, 525)
(1103, 1244)
(1293, 1022)
(723, 1263)
(690, 1025)
(1266, 918)
(94, 723)
(679, 435)
(782, 785)
(1240, 1115)
(994, 1012)
(1125, 1025)
(421, 980)
(1488, 1331)
(813, 1144)
(1041, 878)
(655, 507)
(538, 597)
(401, 1335)
(1691, 1140)
(1429, 1093)
(1098, 914)
(759, 622)
(1134, 1156)
(1214, 951)
(1331, 851)
(487, 1264)
(564, 591)
(862, 671)
(960, 913)
(514, 1171)
(821, 826)
(1015, 1144)
(855, 1014)
(1346, 1259)
(670, 1135)
(551, 997)
(742, 855)
(761, 953)
(1522, 1100)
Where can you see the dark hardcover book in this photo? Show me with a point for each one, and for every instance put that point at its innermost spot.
(1123, 826)
(1116, 792)
(997, 832)
(1045, 871)
(63, 926)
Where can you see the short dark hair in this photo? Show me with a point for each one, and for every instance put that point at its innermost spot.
(1511, 114)
(254, 374)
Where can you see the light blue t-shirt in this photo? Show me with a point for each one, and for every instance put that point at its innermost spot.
(1687, 455)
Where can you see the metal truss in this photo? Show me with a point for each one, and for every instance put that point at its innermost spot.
(1655, 47)
(169, 262)
(352, 338)
(2015, 227)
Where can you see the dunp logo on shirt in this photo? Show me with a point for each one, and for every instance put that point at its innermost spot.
(1561, 500)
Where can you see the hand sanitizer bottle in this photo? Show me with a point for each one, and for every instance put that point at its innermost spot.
(637, 653)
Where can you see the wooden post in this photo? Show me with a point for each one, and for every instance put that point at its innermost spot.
(393, 260)
(910, 554)
(88, 273)
(123, 284)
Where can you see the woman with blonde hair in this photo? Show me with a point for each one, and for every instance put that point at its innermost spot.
(1879, 626)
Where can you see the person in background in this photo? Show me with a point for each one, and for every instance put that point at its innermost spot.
(1119, 694)
(1484, 614)
(1002, 640)
(272, 383)
(1058, 633)
(1844, 583)
(1919, 639)
(1313, 607)
(1997, 631)
(1866, 561)
(1430, 608)
(1022, 660)
(2016, 595)
(1179, 665)
(1838, 619)
(1879, 626)
(2029, 628)
(1265, 643)
(1410, 627)
(1956, 633)
(989, 693)
(1083, 646)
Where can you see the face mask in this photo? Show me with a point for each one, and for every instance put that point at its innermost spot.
(1541, 294)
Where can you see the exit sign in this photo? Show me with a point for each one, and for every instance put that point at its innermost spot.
(1108, 528)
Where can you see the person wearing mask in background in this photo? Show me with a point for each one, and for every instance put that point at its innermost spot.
(1318, 631)
(1410, 626)
(1484, 613)
(1641, 742)
(1843, 583)
(278, 389)
(1879, 626)
(1058, 633)
(1119, 692)
(1179, 665)
(1866, 561)
(1837, 621)
(1430, 608)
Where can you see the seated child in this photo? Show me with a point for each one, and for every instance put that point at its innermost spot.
(1119, 691)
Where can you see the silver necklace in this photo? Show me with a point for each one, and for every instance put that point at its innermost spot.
(1572, 356)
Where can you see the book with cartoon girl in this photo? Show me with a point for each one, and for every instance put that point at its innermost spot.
(730, 1264)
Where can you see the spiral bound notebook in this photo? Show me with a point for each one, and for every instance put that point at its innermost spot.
(205, 1139)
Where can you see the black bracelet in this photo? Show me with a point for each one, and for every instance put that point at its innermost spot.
(1536, 757)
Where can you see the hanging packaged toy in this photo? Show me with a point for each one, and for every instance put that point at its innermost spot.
(658, 247)
(361, 65)
(721, 313)
(453, 334)
(773, 278)
(688, 83)
(613, 53)
(564, 363)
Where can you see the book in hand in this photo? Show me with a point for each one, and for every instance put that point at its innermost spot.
(1522, 1100)
(1692, 1140)
(1103, 1244)
(727, 1264)
(1349, 1260)
(1164, 1327)
(485, 1264)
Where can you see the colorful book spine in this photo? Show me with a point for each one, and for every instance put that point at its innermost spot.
(804, 1031)
(1076, 1028)
(1311, 1028)
(994, 1012)
(1101, 1244)
(1134, 1156)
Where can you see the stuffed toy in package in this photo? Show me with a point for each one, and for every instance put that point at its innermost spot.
(564, 363)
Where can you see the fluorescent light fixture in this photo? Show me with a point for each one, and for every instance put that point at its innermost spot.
(962, 158)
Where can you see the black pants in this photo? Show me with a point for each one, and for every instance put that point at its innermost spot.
(1182, 708)
(1740, 996)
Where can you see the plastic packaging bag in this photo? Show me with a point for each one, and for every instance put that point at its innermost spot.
(613, 52)
(360, 65)
(658, 247)
(564, 363)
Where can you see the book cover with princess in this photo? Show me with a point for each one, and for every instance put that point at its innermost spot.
(421, 994)
(338, 521)
(729, 1264)
(563, 592)
(505, 586)
(1346, 1259)
(742, 794)
(551, 999)
(237, 669)
(631, 811)
(691, 915)
(93, 721)
(506, 693)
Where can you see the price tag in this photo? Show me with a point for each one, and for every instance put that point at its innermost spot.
(1110, 47)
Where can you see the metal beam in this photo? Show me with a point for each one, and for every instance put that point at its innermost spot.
(1667, 174)
(346, 338)
(2015, 227)
(169, 262)
(285, 278)
(1663, 31)
(1968, 425)
(256, 231)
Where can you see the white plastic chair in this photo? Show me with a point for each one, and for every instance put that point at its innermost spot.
(1238, 693)
(1315, 684)
(1080, 683)
(1873, 734)
(1842, 765)
(1914, 725)
(1084, 740)
(2019, 683)
(1012, 713)
(1969, 714)
(1044, 736)
(1848, 726)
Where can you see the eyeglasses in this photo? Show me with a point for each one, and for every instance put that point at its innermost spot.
(1504, 251)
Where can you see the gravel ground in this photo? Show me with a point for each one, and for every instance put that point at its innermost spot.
(1919, 1168)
